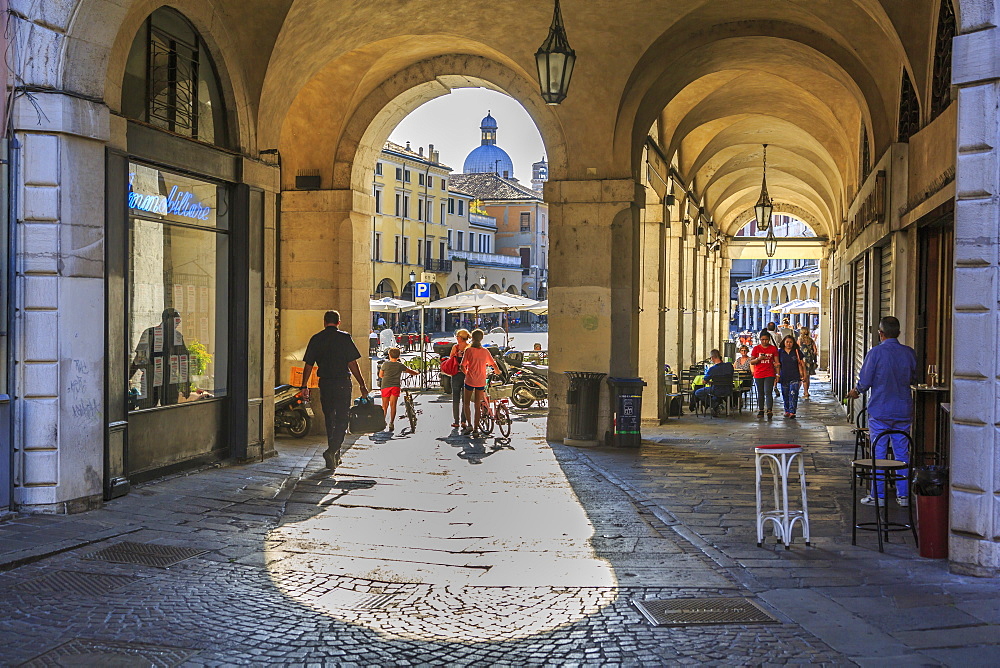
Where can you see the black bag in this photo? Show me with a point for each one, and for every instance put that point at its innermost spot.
(365, 417)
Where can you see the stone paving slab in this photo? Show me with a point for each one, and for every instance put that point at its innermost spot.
(904, 608)
(558, 555)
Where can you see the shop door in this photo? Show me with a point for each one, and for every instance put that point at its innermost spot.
(860, 324)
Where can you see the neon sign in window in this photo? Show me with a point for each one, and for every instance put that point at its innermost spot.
(171, 197)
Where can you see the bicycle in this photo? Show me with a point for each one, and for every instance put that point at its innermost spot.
(411, 411)
(494, 409)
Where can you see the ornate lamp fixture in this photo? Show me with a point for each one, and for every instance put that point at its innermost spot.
(770, 243)
(482, 281)
(413, 277)
(764, 207)
(555, 60)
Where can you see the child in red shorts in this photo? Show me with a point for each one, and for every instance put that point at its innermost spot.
(390, 373)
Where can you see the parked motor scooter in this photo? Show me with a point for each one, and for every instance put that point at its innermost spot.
(531, 382)
(291, 411)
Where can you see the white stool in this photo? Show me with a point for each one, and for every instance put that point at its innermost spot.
(780, 458)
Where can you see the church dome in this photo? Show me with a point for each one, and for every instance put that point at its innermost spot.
(487, 159)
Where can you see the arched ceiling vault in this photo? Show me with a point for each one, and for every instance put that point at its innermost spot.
(803, 78)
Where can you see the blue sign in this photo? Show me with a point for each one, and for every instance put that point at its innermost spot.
(422, 290)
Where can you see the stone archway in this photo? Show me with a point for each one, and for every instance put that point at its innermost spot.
(336, 219)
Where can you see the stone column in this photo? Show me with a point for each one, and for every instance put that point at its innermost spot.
(324, 266)
(673, 320)
(975, 441)
(652, 276)
(594, 287)
(825, 295)
(725, 302)
(59, 345)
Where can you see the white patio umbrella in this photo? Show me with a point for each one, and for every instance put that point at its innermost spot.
(541, 308)
(783, 308)
(482, 301)
(389, 305)
(805, 306)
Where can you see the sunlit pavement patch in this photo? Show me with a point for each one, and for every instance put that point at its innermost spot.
(500, 549)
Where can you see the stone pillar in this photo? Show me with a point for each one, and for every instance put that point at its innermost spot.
(652, 276)
(725, 301)
(825, 317)
(673, 320)
(594, 288)
(975, 441)
(324, 265)
(59, 345)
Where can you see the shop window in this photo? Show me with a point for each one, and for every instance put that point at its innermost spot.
(170, 81)
(178, 289)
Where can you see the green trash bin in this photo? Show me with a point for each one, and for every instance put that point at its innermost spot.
(626, 412)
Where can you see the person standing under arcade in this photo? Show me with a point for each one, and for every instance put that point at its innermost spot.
(333, 350)
(764, 361)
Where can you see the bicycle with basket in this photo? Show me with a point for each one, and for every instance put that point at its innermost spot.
(495, 408)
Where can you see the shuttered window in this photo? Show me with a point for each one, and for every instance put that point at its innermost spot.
(860, 321)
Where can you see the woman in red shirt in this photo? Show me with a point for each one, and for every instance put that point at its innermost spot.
(765, 365)
(474, 364)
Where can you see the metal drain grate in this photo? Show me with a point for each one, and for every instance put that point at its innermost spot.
(145, 554)
(345, 599)
(90, 584)
(80, 652)
(695, 611)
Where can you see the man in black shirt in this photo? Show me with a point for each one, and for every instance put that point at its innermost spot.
(336, 355)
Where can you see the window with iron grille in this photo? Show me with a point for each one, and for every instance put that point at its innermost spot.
(941, 86)
(525, 221)
(170, 81)
(909, 110)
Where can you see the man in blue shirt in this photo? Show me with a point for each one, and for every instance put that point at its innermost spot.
(890, 368)
(719, 382)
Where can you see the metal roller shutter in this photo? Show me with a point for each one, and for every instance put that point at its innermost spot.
(860, 322)
(885, 282)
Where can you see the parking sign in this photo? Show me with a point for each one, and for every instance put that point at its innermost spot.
(422, 292)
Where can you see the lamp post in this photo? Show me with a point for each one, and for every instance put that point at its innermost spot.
(555, 60)
(482, 281)
(764, 207)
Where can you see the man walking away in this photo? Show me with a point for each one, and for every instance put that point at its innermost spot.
(336, 355)
(888, 371)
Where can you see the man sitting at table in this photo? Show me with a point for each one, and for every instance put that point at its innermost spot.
(719, 385)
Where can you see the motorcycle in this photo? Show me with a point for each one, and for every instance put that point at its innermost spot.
(531, 382)
(291, 411)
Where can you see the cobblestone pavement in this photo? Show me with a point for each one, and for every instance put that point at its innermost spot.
(698, 473)
(428, 549)
(432, 549)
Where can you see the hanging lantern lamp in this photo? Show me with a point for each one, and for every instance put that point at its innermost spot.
(555, 60)
(770, 243)
(764, 207)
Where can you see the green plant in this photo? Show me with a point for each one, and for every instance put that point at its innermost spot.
(200, 358)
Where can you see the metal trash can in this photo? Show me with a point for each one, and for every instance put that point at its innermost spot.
(582, 400)
(930, 487)
(626, 412)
